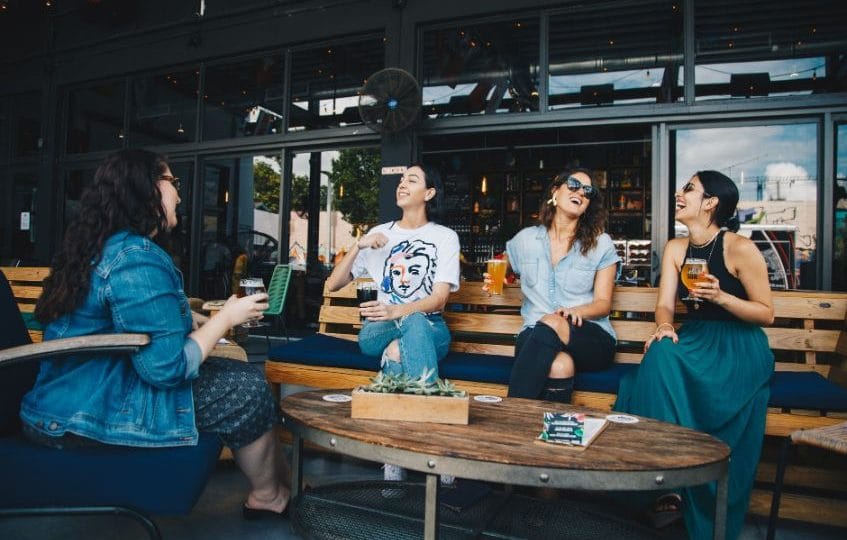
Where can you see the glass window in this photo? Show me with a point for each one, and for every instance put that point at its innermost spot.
(348, 183)
(26, 125)
(164, 108)
(23, 216)
(240, 223)
(481, 68)
(325, 82)
(775, 169)
(615, 54)
(77, 180)
(839, 260)
(792, 51)
(244, 98)
(179, 240)
(96, 117)
(4, 128)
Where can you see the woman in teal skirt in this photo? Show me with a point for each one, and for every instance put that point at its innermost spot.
(712, 373)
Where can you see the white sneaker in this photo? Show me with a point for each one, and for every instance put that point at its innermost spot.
(393, 473)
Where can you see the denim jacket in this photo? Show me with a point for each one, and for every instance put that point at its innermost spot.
(569, 284)
(143, 399)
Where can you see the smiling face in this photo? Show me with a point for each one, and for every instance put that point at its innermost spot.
(412, 191)
(573, 203)
(170, 196)
(692, 201)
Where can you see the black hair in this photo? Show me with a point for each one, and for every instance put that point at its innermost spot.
(433, 179)
(719, 185)
(591, 224)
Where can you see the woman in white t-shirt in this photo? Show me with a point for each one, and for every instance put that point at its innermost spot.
(415, 263)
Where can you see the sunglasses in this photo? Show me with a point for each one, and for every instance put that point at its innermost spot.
(689, 187)
(575, 185)
(172, 179)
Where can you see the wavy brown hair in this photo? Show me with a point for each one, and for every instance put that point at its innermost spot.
(591, 224)
(123, 196)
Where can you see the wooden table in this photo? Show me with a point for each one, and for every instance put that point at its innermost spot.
(499, 445)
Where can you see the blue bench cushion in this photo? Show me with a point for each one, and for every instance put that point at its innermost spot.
(793, 390)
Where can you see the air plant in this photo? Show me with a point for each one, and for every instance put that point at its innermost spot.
(385, 383)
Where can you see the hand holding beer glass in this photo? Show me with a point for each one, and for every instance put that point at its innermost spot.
(365, 292)
(496, 276)
(693, 271)
(249, 286)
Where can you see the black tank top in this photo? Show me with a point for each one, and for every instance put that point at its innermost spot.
(713, 254)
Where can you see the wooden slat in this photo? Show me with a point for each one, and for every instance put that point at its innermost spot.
(482, 348)
(26, 308)
(783, 424)
(492, 323)
(797, 475)
(801, 507)
(798, 339)
(808, 305)
(29, 292)
(25, 273)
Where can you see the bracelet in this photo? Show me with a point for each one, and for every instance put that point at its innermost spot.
(664, 324)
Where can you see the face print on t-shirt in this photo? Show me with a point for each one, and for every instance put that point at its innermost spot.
(409, 271)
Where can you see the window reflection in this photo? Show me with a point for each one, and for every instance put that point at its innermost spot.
(775, 169)
(481, 69)
(742, 54)
(76, 181)
(240, 232)
(244, 98)
(96, 118)
(839, 265)
(23, 228)
(598, 56)
(164, 108)
(325, 83)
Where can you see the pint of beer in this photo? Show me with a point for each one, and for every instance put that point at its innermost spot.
(497, 275)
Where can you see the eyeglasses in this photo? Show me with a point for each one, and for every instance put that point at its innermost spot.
(689, 187)
(575, 185)
(172, 179)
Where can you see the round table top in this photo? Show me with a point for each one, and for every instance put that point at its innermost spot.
(506, 433)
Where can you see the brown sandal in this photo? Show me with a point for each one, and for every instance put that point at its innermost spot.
(667, 510)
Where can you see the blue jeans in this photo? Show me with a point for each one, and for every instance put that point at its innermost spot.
(424, 341)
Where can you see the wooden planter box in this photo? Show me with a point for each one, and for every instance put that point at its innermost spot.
(410, 407)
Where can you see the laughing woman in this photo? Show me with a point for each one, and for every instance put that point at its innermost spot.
(712, 374)
(567, 267)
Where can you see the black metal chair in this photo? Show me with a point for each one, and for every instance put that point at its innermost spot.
(104, 480)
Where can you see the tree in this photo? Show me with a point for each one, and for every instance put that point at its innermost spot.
(357, 172)
(266, 185)
(300, 195)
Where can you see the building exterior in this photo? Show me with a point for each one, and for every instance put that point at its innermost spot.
(255, 104)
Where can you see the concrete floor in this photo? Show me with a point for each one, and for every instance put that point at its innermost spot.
(217, 515)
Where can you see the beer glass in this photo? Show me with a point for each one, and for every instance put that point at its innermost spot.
(246, 287)
(692, 271)
(365, 292)
(497, 274)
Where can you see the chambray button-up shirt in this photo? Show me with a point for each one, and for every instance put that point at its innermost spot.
(569, 284)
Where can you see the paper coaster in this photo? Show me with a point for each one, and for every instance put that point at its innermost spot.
(622, 419)
(337, 398)
(488, 399)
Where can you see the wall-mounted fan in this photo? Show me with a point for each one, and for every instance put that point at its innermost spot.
(390, 100)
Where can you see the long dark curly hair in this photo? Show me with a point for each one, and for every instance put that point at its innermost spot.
(124, 196)
(591, 224)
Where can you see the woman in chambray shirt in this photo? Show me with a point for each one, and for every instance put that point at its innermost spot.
(567, 267)
(111, 277)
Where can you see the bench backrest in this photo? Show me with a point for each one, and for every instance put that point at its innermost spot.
(809, 324)
(26, 282)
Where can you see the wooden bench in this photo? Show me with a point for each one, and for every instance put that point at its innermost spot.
(808, 337)
(26, 282)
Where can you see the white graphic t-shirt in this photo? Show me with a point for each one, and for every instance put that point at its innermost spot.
(410, 263)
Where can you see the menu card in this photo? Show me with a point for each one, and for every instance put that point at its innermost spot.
(571, 429)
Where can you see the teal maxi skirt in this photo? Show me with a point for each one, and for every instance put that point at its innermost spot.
(716, 380)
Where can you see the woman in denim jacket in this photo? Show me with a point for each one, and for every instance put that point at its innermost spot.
(111, 277)
(567, 267)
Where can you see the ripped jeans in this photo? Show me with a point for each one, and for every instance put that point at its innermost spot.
(424, 341)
